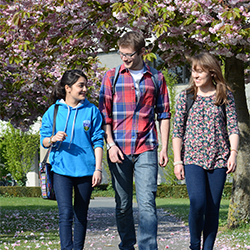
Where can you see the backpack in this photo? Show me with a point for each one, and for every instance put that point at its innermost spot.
(154, 78)
(190, 102)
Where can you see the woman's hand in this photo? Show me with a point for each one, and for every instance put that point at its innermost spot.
(59, 136)
(231, 163)
(179, 171)
(97, 178)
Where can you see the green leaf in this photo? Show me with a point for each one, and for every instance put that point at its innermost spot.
(11, 59)
(25, 47)
(16, 19)
(188, 21)
(127, 7)
(17, 59)
(228, 29)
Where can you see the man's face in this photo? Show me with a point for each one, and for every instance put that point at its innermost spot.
(130, 57)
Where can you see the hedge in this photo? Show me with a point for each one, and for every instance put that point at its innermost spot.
(17, 191)
(163, 191)
(180, 191)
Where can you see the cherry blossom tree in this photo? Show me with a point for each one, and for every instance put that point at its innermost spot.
(222, 27)
(40, 39)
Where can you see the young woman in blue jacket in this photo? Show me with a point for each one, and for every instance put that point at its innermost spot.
(76, 154)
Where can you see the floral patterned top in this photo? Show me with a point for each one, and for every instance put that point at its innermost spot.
(206, 136)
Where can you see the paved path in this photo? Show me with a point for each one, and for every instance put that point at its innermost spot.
(102, 233)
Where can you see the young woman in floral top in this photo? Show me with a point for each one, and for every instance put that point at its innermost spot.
(205, 146)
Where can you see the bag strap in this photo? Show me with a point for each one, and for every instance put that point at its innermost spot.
(155, 79)
(117, 69)
(53, 131)
(189, 104)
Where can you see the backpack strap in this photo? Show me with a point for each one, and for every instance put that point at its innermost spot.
(189, 104)
(154, 78)
(117, 69)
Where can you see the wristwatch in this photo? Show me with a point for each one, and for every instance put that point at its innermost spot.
(110, 145)
(50, 140)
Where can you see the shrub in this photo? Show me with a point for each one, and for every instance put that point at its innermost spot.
(105, 190)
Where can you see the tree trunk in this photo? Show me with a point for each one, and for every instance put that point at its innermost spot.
(239, 208)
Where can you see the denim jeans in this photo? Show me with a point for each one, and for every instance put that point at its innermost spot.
(145, 169)
(205, 189)
(63, 186)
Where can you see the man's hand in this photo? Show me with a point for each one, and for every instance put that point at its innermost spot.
(163, 161)
(115, 154)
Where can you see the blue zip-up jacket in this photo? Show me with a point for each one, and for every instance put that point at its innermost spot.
(83, 125)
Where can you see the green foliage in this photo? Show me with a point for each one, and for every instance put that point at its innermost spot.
(105, 164)
(168, 171)
(19, 149)
(18, 191)
(106, 190)
(171, 191)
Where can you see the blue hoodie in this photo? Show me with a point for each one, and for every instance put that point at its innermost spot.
(83, 125)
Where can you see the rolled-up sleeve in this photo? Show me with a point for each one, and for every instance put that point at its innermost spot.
(162, 103)
(98, 133)
(105, 98)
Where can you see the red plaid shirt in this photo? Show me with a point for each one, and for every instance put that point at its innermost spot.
(132, 120)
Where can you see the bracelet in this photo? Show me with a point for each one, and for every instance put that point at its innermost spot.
(98, 170)
(109, 145)
(234, 150)
(50, 140)
(178, 162)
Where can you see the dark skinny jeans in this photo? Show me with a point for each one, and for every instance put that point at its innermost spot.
(68, 214)
(205, 189)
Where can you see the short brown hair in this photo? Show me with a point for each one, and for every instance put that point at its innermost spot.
(133, 39)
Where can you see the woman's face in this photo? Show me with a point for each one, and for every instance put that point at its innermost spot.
(77, 92)
(201, 77)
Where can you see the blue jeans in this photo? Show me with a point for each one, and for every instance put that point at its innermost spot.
(205, 189)
(145, 169)
(63, 186)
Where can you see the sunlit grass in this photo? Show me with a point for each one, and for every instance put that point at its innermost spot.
(239, 238)
(28, 223)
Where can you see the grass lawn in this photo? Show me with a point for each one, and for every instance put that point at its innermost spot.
(31, 223)
(180, 208)
(28, 223)
(240, 237)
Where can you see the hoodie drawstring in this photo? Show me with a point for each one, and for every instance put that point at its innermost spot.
(72, 131)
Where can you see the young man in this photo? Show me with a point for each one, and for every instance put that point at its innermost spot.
(129, 109)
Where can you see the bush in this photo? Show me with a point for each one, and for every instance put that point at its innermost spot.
(18, 191)
(106, 190)
(172, 191)
(17, 152)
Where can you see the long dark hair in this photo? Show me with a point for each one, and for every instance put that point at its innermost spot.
(210, 64)
(69, 78)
